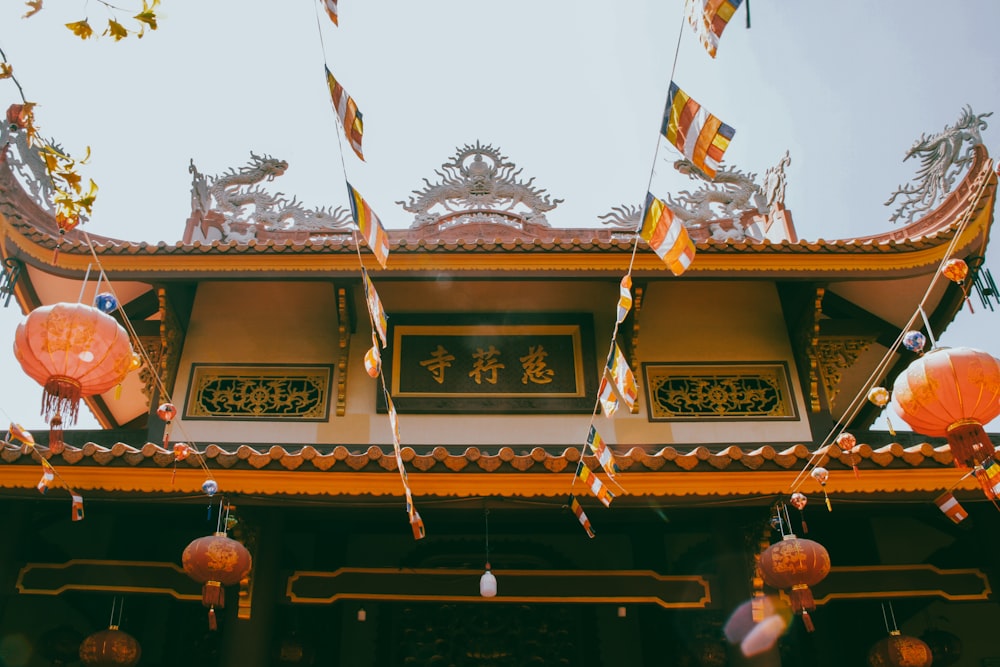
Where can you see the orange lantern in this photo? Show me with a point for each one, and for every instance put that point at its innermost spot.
(898, 650)
(955, 270)
(110, 648)
(796, 564)
(215, 561)
(72, 350)
(951, 393)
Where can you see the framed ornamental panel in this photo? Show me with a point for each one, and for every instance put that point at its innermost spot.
(259, 392)
(491, 363)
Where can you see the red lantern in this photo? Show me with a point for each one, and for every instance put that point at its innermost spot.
(110, 648)
(796, 564)
(72, 350)
(951, 393)
(215, 561)
(955, 270)
(898, 650)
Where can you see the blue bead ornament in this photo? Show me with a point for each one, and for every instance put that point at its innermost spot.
(105, 302)
(914, 341)
(210, 487)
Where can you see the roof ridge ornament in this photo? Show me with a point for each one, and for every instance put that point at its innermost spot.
(941, 160)
(479, 185)
(724, 205)
(233, 207)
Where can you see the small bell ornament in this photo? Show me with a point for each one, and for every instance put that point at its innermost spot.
(799, 502)
(879, 397)
(821, 475)
(847, 443)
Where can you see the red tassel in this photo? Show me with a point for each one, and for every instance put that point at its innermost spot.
(56, 443)
(212, 623)
(969, 443)
(807, 621)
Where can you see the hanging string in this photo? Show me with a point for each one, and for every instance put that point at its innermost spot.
(487, 515)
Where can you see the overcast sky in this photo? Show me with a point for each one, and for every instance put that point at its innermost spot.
(572, 91)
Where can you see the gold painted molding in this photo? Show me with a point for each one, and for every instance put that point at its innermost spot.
(984, 594)
(298, 483)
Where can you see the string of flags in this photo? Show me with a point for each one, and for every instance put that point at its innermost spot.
(17, 434)
(371, 230)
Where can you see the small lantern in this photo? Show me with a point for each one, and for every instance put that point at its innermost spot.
(216, 561)
(796, 564)
(488, 584)
(110, 648)
(950, 393)
(72, 350)
(955, 270)
(898, 650)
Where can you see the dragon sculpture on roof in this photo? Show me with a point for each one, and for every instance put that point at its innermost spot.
(27, 163)
(941, 160)
(244, 209)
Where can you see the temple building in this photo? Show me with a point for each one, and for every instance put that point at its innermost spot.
(619, 532)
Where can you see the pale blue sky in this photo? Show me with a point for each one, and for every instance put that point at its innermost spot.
(570, 90)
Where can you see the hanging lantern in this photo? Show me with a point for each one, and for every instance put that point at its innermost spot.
(72, 350)
(914, 341)
(847, 442)
(110, 648)
(898, 650)
(950, 393)
(796, 564)
(106, 302)
(488, 584)
(879, 396)
(215, 561)
(955, 270)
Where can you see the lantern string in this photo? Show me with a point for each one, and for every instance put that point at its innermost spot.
(83, 286)
(854, 407)
(885, 619)
(892, 612)
(487, 516)
(927, 324)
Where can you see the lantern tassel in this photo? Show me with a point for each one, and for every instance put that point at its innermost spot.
(892, 431)
(56, 442)
(62, 396)
(969, 443)
(802, 602)
(213, 624)
(807, 621)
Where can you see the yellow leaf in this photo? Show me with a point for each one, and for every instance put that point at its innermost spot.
(147, 16)
(81, 29)
(34, 6)
(51, 162)
(86, 202)
(6, 71)
(116, 30)
(72, 179)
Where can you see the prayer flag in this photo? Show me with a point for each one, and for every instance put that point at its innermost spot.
(574, 505)
(348, 112)
(606, 395)
(47, 476)
(621, 377)
(77, 514)
(370, 226)
(709, 18)
(416, 523)
(625, 298)
(595, 485)
(17, 433)
(601, 451)
(375, 309)
(666, 235)
(331, 10)
(373, 358)
(699, 135)
(952, 509)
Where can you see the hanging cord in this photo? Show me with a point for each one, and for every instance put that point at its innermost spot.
(487, 516)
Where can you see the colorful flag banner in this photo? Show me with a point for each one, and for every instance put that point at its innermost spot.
(77, 514)
(620, 375)
(606, 395)
(601, 451)
(370, 226)
(348, 112)
(625, 298)
(595, 485)
(989, 478)
(416, 523)
(709, 18)
(379, 320)
(699, 135)
(574, 505)
(666, 235)
(47, 476)
(331, 10)
(17, 433)
(947, 503)
(373, 358)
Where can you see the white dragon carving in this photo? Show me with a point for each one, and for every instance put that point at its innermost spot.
(27, 163)
(247, 209)
(941, 160)
(479, 179)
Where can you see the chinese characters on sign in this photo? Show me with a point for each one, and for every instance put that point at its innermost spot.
(546, 365)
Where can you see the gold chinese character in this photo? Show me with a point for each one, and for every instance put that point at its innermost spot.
(440, 360)
(535, 368)
(485, 364)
